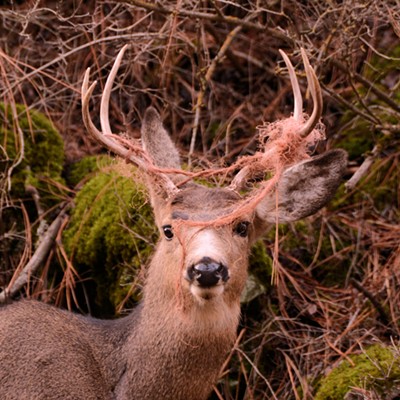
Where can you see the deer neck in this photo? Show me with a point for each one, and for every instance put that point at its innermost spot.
(172, 357)
(175, 316)
(177, 339)
(169, 305)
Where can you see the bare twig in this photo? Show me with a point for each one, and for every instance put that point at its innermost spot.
(218, 17)
(204, 84)
(367, 84)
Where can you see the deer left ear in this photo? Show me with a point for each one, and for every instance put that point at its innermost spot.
(304, 188)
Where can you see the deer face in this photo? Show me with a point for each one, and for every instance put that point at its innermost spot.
(213, 259)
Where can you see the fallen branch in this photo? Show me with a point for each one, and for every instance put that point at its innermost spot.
(362, 171)
(37, 258)
(378, 306)
(34, 193)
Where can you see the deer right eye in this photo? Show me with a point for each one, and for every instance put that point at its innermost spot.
(242, 228)
(168, 232)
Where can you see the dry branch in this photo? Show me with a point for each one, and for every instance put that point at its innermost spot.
(383, 314)
(362, 170)
(211, 69)
(218, 17)
(367, 84)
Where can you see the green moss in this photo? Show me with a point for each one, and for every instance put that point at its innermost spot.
(377, 369)
(381, 187)
(380, 67)
(360, 135)
(112, 234)
(260, 262)
(378, 189)
(41, 168)
(43, 153)
(302, 240)
(86, 168)
(260, 267)
(358, 139)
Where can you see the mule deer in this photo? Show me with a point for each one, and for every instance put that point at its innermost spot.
(174, 343)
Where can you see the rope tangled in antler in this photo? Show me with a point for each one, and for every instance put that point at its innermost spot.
(280, 146)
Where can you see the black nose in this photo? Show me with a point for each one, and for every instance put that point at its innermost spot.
(208, 273)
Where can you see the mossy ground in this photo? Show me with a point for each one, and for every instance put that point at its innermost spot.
(110, 235)
(86, 168)
(41, 168)
(361, 135)
(377, 369)
(260, 270)
(43, 160)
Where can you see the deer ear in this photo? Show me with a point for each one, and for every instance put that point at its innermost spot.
(304, 188)
(157, 143)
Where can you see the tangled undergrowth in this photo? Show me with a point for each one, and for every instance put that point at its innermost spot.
(214, 71)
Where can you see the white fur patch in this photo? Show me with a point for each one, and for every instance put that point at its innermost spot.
(206, 243)
(205, 294)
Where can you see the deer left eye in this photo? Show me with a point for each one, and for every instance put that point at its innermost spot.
(168, 232)
(242, 228)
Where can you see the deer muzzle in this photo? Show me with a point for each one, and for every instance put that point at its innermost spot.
(208, 273)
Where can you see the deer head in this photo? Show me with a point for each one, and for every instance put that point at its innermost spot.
(206, 233)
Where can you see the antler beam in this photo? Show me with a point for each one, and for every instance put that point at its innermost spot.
(315, 90)
(105, 138)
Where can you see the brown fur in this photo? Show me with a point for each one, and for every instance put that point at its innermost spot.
(174, 343)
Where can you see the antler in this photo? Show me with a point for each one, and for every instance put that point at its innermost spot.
(106, 137)
(299, 130)
(315, 90)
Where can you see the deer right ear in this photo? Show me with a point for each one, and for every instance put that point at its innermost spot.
(304, 188)
(157, 142)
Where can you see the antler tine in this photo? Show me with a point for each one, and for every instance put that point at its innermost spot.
(103, 137)
(316, 94)
(298, 100)
(106, 141)
(86, 93)
(105, 98)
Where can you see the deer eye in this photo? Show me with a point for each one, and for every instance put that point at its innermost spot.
(242, 228)
(168, 232)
